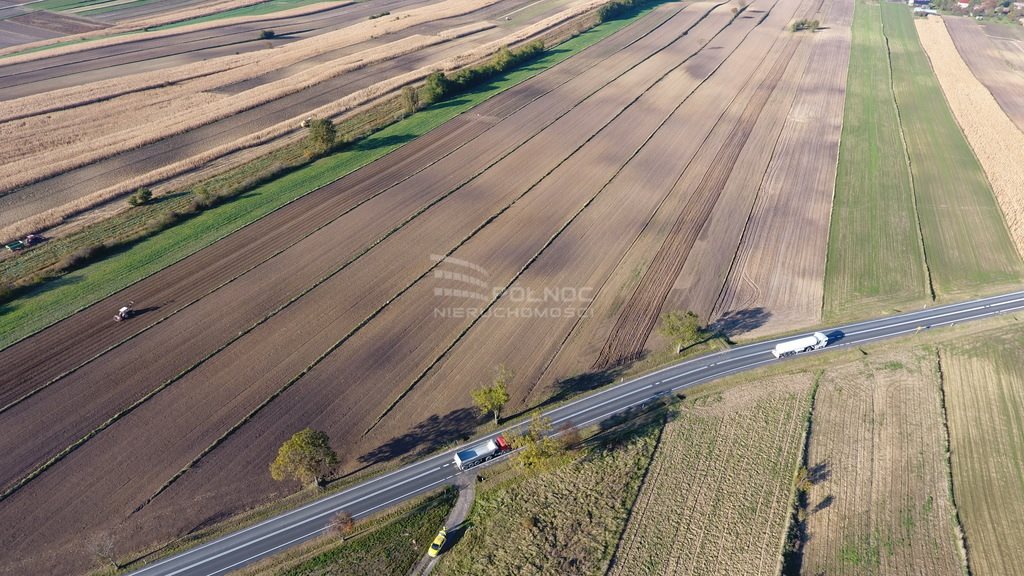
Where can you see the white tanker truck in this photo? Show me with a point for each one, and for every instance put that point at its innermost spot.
(815, 341)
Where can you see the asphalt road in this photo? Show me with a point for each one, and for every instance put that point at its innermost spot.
(276, 534)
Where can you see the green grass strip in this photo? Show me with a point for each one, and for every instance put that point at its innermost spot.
(965, 237)
(875, 261)
(64, 296)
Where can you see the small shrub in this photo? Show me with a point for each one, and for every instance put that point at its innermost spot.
(321, 136)
(804, 24)
(140, 197)
(380, 15)
(162, 222)
(342, 524)
(80, 257)
(410, 100)
(267, 34)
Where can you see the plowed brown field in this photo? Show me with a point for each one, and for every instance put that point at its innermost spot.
(780, 265)
(370, 308)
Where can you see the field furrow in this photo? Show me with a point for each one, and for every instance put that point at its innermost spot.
(780, 267)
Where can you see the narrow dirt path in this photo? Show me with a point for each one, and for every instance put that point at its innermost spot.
(454, 523)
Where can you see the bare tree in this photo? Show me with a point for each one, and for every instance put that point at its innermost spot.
(101, 545)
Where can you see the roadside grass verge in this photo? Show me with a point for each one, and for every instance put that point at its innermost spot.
(875, 259)
(390, 544)
(968, 246)
(41, 305)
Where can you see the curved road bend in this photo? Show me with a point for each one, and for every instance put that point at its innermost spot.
(309, 521)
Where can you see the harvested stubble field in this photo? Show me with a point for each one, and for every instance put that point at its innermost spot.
(993, 136)
(879, 499)
(718, 493)
(908, 184)
(563, 522)
(984, 388)
(163, 125)
(323, 314)
(995, 61)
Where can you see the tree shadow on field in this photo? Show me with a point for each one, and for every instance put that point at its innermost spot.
(825, 503)
(566, 389)
(8, 304)
(735, 322)
(819, 473)
(373, 142)
(429, 435)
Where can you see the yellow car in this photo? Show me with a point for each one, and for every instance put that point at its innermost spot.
(435, 548)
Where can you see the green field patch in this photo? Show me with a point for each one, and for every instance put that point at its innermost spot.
(966, 241)
(57, 299)
(875, 261)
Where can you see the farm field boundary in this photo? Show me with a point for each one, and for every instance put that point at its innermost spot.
(875, 255)
(991, 133)
(967, 245)
(914, 217)
(983, 381)
(76, 291)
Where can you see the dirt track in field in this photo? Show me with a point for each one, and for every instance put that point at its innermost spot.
(324, 313)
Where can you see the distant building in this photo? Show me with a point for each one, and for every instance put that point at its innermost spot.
(918, 2)
(925, 11)
(963, 5)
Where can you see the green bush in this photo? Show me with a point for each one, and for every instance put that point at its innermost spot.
(436, 88)
(140, 197)
(804, 24)
(321, 136)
